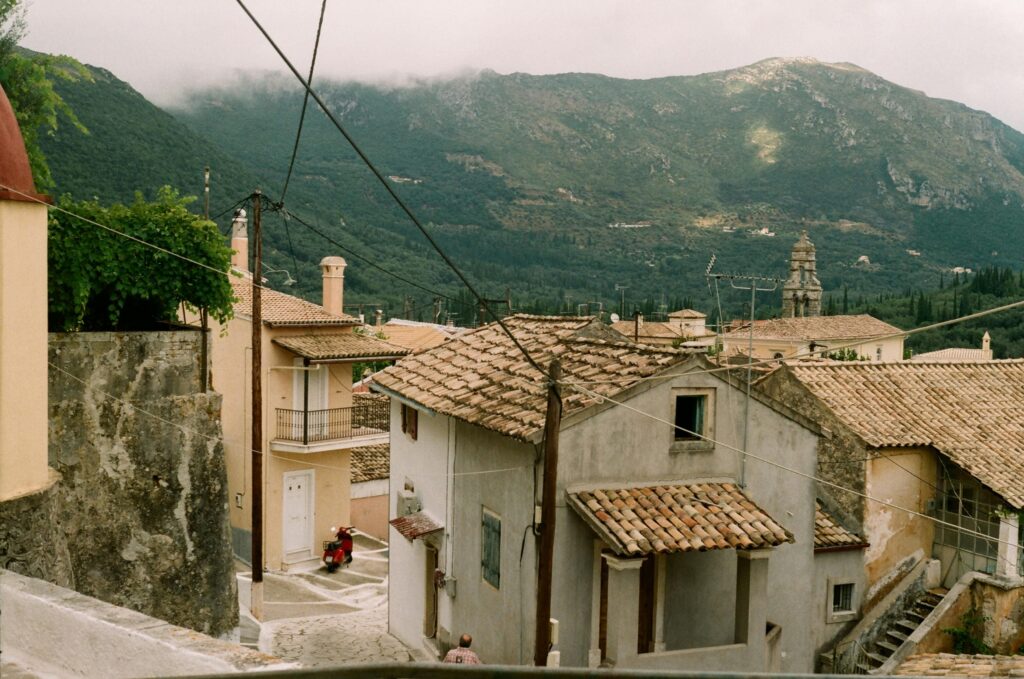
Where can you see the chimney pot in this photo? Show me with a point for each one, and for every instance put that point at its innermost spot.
(333, 269)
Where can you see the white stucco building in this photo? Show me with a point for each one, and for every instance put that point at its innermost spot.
(671, 551)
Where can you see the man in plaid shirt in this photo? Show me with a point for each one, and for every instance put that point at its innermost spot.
(462, 655)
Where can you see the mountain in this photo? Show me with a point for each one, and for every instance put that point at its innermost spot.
(562, 187)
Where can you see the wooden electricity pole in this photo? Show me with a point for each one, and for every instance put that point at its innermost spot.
(257, 412)
(552, 423)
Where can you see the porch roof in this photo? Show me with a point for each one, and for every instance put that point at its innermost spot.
(694, 516)
(416, 525)
(830, 534)
(347, 346)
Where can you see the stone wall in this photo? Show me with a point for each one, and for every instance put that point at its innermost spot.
(31, 540)
(142, 503)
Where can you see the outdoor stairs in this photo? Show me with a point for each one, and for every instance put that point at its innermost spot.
(897, 633)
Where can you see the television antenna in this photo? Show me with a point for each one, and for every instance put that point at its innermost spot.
(754, 284)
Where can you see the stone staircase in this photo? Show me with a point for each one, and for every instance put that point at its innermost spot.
(898, 632)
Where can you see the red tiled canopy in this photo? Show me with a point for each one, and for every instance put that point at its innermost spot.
(680, 517)
(416, 525)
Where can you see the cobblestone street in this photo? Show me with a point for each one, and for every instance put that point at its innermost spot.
(321, 619)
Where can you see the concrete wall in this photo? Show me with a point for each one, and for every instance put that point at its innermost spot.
(56, 632)
(370, 509)
(835, 567)
(142, 502)
(481, 469)
(231, 356)
(905, 477)
(23, 305)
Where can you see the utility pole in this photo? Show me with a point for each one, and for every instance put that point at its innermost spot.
(437, 310)
(204, 352)
(552, 423)
(407, 308)
(257, 412)
(752, 285)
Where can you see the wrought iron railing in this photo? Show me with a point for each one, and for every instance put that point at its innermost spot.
(365, 418)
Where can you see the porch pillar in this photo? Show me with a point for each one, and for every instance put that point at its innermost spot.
(659, 602)
(1009, 548)
(752, 600)
(623, 607)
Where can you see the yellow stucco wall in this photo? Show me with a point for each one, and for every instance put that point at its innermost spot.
(23, 348)
(904, 477)
(231, 371)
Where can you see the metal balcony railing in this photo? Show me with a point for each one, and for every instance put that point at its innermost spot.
(367, 417)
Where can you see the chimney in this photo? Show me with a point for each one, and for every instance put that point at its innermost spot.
(240, 242)
(986, 346)
(378, 316)
(333, 269)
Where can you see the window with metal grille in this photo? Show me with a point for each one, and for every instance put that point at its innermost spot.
(490, 558)
(689, 417)
(842, 598)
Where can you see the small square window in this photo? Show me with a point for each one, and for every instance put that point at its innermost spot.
(690, 411)
(842, 598)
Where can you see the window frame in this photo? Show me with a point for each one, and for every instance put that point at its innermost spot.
(707, 429)
(832, 614)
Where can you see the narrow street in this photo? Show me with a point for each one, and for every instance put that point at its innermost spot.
(320, 619)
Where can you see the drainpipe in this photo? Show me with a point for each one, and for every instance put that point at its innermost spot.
(305, 403)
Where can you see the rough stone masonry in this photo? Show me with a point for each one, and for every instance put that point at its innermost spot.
(139, 515)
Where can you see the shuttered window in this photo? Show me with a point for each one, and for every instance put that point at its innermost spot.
(490, 559)
(410, 421)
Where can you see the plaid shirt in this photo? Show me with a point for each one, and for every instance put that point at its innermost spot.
(462, 656)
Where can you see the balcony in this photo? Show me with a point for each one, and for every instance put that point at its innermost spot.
(313, 431)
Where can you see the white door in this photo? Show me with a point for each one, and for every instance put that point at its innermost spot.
(298, 514)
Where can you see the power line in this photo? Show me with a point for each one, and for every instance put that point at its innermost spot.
(779, 465)
(809, 353)
(289, 214)
(387, 187)
(305, 103)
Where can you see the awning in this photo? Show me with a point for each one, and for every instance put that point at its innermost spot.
(677, 517)
(347, 346)
(416, 525)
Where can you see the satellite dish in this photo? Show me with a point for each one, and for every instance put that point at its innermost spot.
(615, 318)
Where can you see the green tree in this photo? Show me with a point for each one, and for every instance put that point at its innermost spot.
(99, 280)
(28, 81)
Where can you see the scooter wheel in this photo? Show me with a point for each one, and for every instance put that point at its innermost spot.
(331, 567)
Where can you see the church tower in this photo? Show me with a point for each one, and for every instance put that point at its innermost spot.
(801, 295)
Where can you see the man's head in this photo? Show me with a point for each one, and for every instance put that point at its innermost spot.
(465, 640)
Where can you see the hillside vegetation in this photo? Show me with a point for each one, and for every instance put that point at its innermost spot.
(560, 187)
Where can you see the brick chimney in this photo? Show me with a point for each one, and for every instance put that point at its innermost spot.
(240, 242)
(333, 269)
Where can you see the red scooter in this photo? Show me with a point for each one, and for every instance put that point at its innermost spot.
(338, 552)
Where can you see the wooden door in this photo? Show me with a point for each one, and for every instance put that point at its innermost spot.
(430, 593)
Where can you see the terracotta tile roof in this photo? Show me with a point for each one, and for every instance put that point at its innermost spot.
(830, 534)
(416, 525)
(350, 345)
(371, 463)
(657, 329)
(678, 517)
(415, 337)
(970, 412)
(960, 354)
(815, 328)
(481, 378)
(281, 309)
(950, 665)
(687, 313)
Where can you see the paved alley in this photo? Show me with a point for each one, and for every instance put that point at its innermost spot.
(320, 619)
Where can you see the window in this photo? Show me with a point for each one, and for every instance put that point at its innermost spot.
(842, 598)
(878, 353)
(842, 602)
(693, 414)
(490, 558)
(410, 421)
(689, 417)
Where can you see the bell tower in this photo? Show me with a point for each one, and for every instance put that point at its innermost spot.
(801, 294)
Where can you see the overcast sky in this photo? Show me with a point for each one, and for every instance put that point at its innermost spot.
(971, 51)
